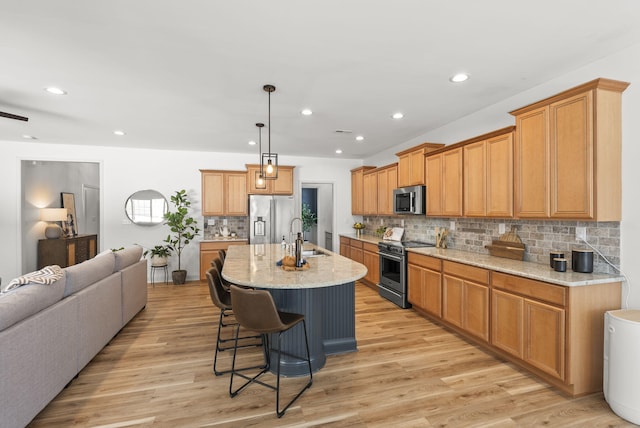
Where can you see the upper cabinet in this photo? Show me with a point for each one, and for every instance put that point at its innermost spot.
(387, 181)
(488, 175)
(411, 164)
(224, 193)
(444, 183)
(357, 189)
(283, 185)
(568, 154)
(370, 192)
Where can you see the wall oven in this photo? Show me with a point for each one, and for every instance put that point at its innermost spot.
(393, 270)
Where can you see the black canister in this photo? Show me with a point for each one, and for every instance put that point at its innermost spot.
(554, 254)
(560, 264)
(582, 261)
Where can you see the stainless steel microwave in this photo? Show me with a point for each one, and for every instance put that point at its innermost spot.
(410, 200)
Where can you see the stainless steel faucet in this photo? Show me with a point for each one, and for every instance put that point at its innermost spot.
(291, 227)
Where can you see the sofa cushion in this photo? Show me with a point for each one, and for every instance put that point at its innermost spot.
(127, 257)
(86, 273)
(27, 300)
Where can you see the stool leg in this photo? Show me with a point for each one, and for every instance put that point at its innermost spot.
(279, 412)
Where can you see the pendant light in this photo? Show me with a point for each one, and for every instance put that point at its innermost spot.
(269, 161)
(260, 182)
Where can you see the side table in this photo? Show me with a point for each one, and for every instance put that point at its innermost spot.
(165, 268)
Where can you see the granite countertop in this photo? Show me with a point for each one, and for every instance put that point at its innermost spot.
(524, 269)
(365, 238)
(255, 266)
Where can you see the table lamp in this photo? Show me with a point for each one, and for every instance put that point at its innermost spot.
(52, 215)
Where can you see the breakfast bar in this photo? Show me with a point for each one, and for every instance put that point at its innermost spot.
(324, 291)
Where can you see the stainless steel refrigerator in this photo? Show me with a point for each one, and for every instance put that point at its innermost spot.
(270, 218)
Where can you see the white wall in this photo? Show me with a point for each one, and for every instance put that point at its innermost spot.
(625, 66)
(124, 171)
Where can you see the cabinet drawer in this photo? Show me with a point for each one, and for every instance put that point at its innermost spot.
(554, 294)
(222, 245)
(356, 244)
(345, 241)
(428, 262)
(372, 248)
(465, 271)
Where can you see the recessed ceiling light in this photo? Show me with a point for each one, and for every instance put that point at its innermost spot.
(55, 91)
(359, 138)
(307, 112)
(119, 133)
(397, 115)
(339, 151)
(252, 143)
(460, 77)
(29, 137)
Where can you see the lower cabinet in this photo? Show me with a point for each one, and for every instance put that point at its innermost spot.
(424, 283)
(553, 331)
(66, 251)
(465, 298)
(371, 260)
(209, 251)
(345, 247)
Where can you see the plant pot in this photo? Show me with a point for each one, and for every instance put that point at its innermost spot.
(179, 277)
(158, 261)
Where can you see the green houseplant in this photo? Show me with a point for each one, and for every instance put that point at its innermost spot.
(309, 218)
(183, 229)
(159, 255)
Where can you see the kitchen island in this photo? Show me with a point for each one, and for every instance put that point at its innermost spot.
(324, 292)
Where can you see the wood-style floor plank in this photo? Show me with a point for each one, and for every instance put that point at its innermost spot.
(408, 372)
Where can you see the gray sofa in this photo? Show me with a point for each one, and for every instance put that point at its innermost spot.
(48, 333)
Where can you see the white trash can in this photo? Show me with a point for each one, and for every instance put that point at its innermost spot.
(621, 377)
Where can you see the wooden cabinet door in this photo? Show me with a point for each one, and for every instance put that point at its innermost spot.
(283, 185)
(452, 182)
(356, 254)
(544, 341)
(357, 197)
(452, 300)
(213, 193)
(392, 184)
(475, 170)
(571, 157)
(370, 191)
(404, 170)
(507, 318)
(372, 263)
(499, 176)
(476, 309)
(415, 286)
(433, 167)
(384, 194)
(432, 296)
(416, 170)
(236, 194)
(531, 160)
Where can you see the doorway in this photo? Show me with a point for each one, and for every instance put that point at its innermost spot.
(318, 197)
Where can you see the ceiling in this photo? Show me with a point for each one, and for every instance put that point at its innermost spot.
(188, 75)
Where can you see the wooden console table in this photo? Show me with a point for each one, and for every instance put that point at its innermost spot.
(66, 251)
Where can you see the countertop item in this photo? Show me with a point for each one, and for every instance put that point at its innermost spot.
(256, 266)
(222, 239)
(540, 272)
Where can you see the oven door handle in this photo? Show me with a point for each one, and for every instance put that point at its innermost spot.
(391, 256)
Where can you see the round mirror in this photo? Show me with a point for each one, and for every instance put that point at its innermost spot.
(146, 207)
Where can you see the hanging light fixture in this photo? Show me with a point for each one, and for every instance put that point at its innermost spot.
(269, 161)
(259, 178)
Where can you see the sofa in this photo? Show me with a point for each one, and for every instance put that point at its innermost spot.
(49, 332)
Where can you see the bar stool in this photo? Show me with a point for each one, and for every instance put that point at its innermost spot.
(255, 310)
(217, 263)
(222, 299)
(222, 254)
(163, 267)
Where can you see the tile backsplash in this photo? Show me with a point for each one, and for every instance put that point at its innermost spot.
(239, 225)
(539, 237)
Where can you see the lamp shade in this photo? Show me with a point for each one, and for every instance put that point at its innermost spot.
(53, 214)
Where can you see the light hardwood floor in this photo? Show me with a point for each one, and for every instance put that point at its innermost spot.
(408, 372)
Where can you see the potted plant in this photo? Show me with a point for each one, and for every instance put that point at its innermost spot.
(183, 229)
(309, 218)
(159, 255)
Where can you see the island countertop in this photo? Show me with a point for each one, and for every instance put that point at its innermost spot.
(256, 266)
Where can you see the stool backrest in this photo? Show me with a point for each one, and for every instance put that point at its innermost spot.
(222, 254)
(219, 296)
(217, 263)
(255, 310)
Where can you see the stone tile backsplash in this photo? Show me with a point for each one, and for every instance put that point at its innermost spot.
(239, 225)
(539, 237)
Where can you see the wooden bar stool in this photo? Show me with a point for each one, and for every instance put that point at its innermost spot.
(255, 310)
(222, 299)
